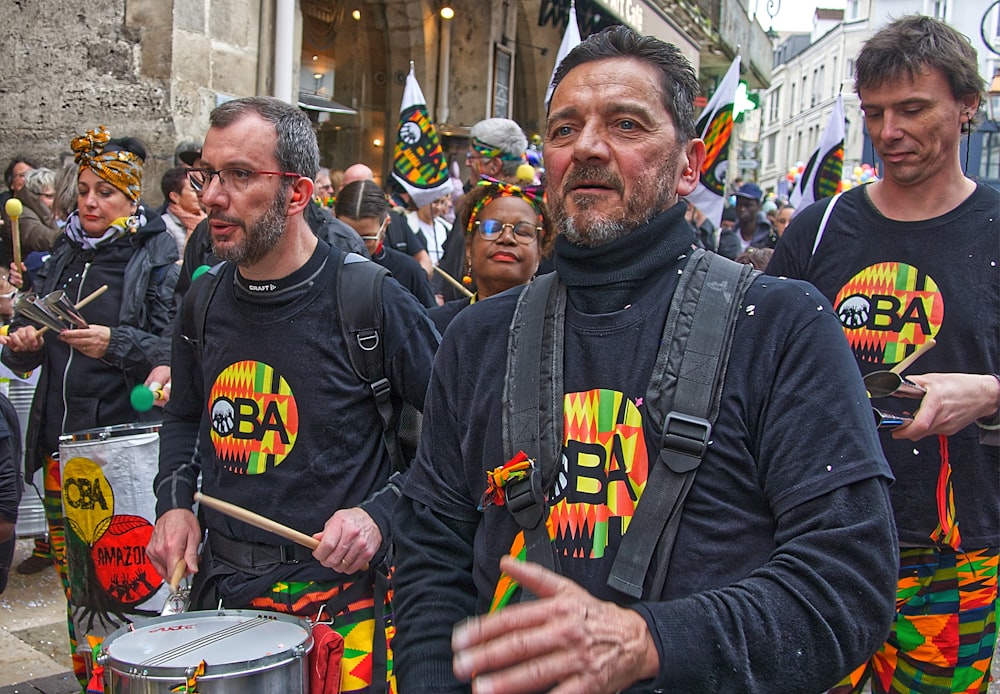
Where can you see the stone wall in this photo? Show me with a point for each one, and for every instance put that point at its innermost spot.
(146, 68)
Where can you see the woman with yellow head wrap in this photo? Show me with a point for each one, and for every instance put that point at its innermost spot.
(88, 372)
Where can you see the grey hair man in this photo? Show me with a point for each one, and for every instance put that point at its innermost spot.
(782, 532)
(264, 394)
(497, 148)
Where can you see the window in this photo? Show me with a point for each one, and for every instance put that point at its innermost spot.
(792, 110)
(853, 9)
(938, 9)
(991, 155)
(770, 145)
(775, 105)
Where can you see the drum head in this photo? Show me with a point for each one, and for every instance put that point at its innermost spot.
(109, 432)
(225, 640)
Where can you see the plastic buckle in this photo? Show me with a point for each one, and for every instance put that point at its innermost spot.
(685, 440)
(286, 554)
(525, 500)
(381, 388)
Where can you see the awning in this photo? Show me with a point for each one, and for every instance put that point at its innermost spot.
(313, 102)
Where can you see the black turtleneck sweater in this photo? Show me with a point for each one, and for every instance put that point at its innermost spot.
(783, 572)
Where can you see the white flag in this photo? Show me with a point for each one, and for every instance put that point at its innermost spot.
(570, 40)
(821, 177)
(419, 164)
(715, 127)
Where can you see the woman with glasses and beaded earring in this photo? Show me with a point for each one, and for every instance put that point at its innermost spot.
(507, 234)
(88, 372)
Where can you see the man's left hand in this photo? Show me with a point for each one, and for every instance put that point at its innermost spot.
(92, 341)
(565, 641)
(952, 402)
(348, 542)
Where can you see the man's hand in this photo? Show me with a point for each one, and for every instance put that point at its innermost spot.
(348, 542)
(92, 341)
(175, 536)
(953, 401)
(565, 641)
(24, 339)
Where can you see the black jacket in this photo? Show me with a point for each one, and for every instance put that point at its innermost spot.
(140, 270)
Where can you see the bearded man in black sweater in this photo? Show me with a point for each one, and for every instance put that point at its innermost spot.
(782, 572)
(268, 407)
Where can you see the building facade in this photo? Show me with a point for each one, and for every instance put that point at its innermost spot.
(810, 70)
(155, 69)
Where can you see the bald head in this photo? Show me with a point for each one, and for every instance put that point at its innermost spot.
(357, 172)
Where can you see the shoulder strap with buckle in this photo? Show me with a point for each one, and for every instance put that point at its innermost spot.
(683, 393)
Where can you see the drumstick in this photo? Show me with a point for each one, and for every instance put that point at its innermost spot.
(178, 574)
(906, 363)
(454, 282)
(14, 210)
(257, 520)
(83, 302)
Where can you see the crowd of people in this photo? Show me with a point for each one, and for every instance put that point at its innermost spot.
(544, 432)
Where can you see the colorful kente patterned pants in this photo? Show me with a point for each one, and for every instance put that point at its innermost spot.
(943, 637)
(356, 624)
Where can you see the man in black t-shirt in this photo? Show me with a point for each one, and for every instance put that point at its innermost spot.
(910, 259)
(783, 570)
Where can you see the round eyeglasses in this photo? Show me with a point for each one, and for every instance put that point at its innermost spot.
(493, 229)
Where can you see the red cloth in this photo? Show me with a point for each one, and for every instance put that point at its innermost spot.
(324, 660)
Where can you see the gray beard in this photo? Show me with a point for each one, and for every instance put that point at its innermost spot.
(652, 197)
(261, 237)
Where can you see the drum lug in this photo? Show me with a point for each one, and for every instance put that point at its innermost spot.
(299, 651)
(102, 659)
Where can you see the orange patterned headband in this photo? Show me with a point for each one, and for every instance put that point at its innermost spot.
(120, 168)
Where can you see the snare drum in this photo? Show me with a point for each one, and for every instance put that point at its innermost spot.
(245, 651)
(109, 506)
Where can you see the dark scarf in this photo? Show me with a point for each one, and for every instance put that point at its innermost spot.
(607, 278)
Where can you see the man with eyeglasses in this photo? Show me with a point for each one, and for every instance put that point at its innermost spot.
(265, 404)
(782, 572)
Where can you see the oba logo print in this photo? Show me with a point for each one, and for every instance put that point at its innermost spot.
(888, 310)
(254, 418)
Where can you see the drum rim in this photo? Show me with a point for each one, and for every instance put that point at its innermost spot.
(213, 670)
(110, 431)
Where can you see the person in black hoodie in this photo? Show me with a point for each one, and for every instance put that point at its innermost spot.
(88, 372)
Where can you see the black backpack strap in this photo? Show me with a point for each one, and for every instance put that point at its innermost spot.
(359, 307)
(532, 420)
(194, 309)
(686, 384)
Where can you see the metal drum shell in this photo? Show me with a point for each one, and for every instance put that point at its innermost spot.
(285, 671)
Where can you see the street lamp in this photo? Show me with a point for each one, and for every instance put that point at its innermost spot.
(993, 99)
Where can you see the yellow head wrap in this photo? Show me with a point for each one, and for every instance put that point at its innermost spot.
(121, 168)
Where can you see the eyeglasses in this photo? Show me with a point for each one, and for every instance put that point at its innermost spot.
(493, 229)
(229, 179)
(469, 156)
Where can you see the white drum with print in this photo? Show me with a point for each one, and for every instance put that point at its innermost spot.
(109, 509)
(212, 652)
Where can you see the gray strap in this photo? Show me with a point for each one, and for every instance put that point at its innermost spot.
(532, 418)
(688, 374)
